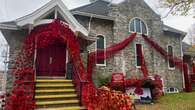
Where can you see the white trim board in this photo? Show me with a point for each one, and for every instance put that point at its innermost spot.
(61, 8)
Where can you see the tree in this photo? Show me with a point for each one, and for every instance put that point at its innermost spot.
(191, 34)
(178, 7)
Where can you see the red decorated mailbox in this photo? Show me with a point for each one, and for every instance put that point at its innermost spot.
(118, 81)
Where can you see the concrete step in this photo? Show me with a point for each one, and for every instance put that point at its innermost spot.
(55, 91)
(55, 96)
(58, 102)
(63, 108)
(53, 81)
(54, 85)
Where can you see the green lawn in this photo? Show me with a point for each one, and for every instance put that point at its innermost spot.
(181, 101)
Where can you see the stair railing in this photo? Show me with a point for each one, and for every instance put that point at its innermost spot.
(79, 84)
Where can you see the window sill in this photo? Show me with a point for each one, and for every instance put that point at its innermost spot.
(102, 65)
(172, 69)
(138, 67)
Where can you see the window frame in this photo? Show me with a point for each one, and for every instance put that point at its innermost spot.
(170, 68)
(104, 48)
(141, 20)
(136, 54)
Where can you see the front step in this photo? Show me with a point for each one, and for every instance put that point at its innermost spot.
(64, 108)
(55, 81)
(39, 103)
(56, 94)
(55, 91)
(54, 85)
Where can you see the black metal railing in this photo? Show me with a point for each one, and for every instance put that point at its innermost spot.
(79, 83)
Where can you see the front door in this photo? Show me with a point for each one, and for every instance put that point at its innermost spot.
(51, 60)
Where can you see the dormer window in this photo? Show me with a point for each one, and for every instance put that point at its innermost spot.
(137, 25)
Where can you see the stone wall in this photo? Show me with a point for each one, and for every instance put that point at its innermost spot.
(125, 61)
(156, 64)
(15, 40)
(114, 32)
(105, 28)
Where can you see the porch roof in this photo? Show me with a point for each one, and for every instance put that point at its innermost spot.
(30, 20)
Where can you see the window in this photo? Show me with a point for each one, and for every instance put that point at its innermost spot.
(172, 90)
(100, 45)
(137, 25)
(170, 52)
(138, 55)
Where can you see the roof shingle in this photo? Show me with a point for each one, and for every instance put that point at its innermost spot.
(99, 7)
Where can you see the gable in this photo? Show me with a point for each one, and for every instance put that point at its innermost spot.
(136, 8)
(43, 14)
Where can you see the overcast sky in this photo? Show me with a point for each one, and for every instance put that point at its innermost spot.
(12, 9)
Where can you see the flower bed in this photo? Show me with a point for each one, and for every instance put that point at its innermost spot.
(107, 99)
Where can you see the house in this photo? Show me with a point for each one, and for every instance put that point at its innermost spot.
(99, 25)
(119, 21)
(189, 58)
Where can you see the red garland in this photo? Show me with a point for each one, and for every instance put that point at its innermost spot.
(45, 35)
(155, 83)
(178, 62)
(21, 97)
(193, 67)
(107, 53)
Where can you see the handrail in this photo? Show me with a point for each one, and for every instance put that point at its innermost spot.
(79, 84)
(85, 81)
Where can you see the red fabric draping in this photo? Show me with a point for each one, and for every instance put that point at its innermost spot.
(42, 36)
(178, 62)
(106, 53)
(193, 68)
(143, 63)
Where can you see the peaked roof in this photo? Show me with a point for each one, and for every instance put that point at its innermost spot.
(99, 7)
(170, 29)
(32, 18)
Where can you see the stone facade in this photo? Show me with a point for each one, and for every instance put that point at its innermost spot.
(118, 30)
(15, 40)
(114, 31)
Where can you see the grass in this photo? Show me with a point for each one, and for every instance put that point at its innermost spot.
(181, 101)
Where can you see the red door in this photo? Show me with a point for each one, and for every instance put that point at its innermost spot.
(51, 60)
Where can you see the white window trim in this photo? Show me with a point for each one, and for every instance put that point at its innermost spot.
(176, 90)
(140, 25)
(104, 48)
(170, 68)
(136, 54)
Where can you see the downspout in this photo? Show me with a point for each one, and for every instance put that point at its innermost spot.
(35, 50)
(90, 20)
(181, 49)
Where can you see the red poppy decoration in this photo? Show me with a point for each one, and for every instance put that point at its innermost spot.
(139, 91)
